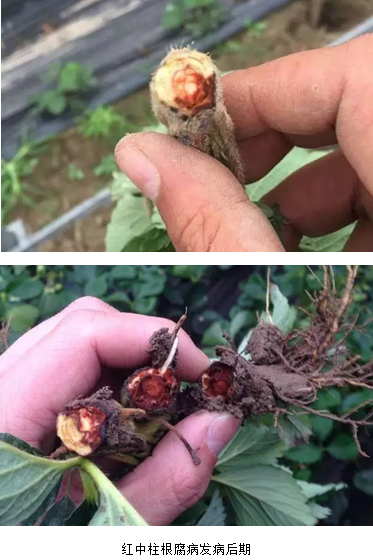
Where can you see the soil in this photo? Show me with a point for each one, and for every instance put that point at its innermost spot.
(286, 31)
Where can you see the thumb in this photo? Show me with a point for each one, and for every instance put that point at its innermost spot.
(168, 482)
(202, 204)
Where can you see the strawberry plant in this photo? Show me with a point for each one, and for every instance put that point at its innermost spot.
(71, 82)
(15, 175)
(197, 17)
(103, 122)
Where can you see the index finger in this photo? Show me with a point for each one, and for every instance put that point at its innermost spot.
(314, 93)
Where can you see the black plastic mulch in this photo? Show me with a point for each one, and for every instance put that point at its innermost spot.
(121, 40)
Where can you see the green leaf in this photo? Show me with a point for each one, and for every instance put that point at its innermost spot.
(231, 46)
(107, 164)
(153, 240)
(252, 445)
(193, 273)
(364, 481)
(303, 474)
(82, 515)
(129, 220)
(343, 447)
(26, 481)
(43, 506)
(172, 16)
(22, 317)
(124, 272)
(113, 507)
(284, 315)
(74, 173)
(265, 495)
(334, 242)
(144, 306)
(321, 427)
(152, 286)
(239, 321)
(311, 490)
(328, 399)
(297, 158)
(20, 444)
(89, 488)
(295, 429)
(59, 513)
(320, 512)
(96, 287)
(85, 272)
(214, 334)
(51, 101)
(75, 77)
(355, 399)
(19, 269)
(135, 224)
(52, 303)
(28, 289)
(215, 515)
(117, 297)
(306, 454)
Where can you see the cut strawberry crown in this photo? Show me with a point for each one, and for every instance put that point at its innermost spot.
(218, 380)
(151, 389)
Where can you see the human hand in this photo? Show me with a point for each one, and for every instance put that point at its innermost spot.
(310, 99)
(74, 353)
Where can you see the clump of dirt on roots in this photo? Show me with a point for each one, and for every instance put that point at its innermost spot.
(289, 370)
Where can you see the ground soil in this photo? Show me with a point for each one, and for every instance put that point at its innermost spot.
(287, 31)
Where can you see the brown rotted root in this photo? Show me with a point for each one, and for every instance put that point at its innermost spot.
(99, 426)
(245, 388)
(155, 388)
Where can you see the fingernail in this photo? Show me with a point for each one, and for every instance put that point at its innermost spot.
(220, 432)
(139, 169)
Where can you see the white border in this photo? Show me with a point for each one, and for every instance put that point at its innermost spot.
(185, 258)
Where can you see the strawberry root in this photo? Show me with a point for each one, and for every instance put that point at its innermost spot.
(290, 370)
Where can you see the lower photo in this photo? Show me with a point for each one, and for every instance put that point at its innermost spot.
(185, 395)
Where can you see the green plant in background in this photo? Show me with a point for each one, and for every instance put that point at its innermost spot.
(104, 122)
(107, 166)
(14, 185)
(197, 17)
(256, 28)
(74, 173)
(230, 46)
(230, 298)
(72, 81)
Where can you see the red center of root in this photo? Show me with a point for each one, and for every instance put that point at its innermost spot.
(151, 390)
(89, 421)
(220, 386)
(217, 380)
(191, 89)
(153, 386)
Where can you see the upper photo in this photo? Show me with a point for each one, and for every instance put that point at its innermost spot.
(187, 126)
